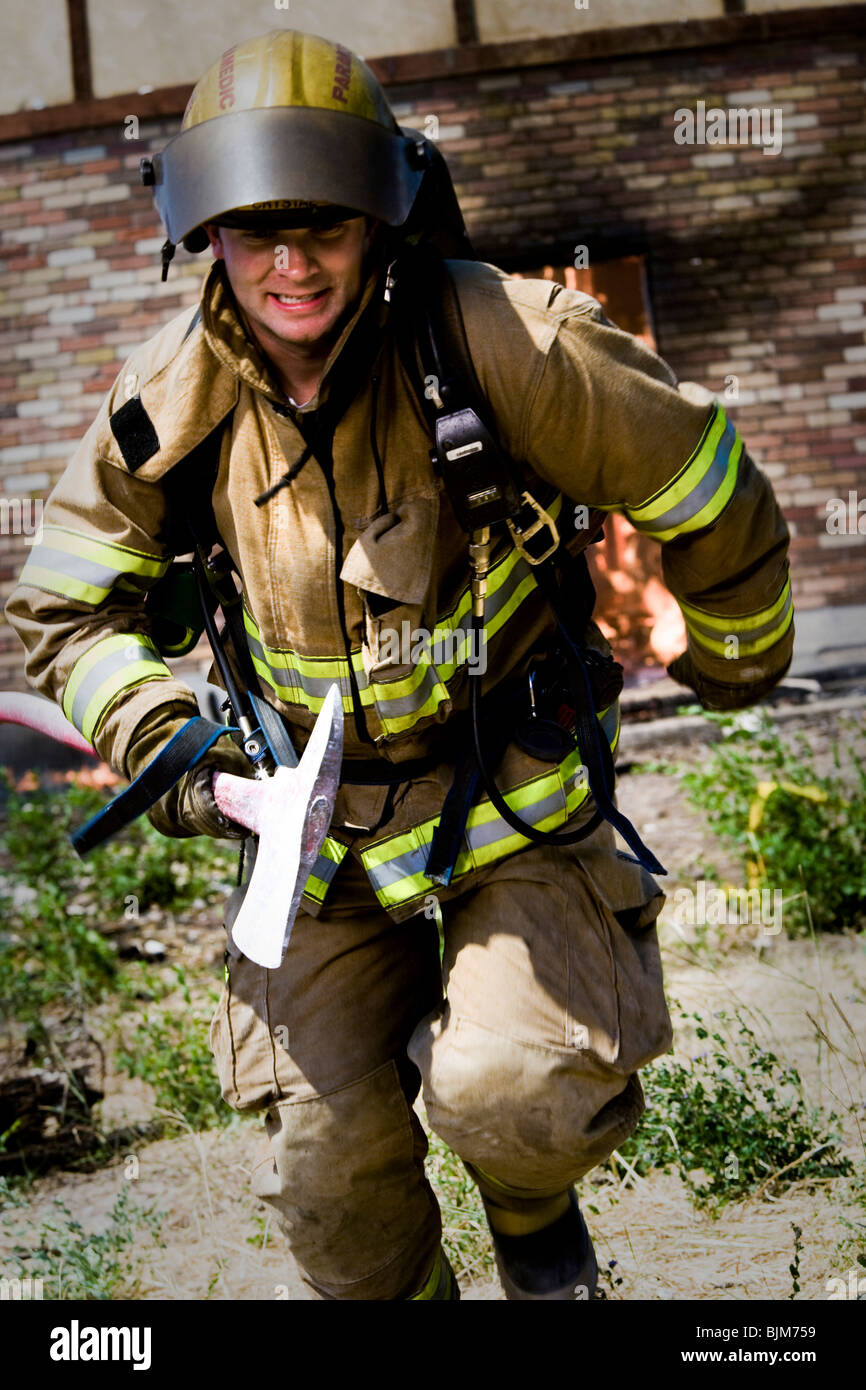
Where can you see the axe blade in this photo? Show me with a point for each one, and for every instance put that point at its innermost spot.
(292, 815)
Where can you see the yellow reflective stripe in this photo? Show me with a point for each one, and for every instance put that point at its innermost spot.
(331, 852)
(315, 888)
(402, 703)
(381, 694)
(78, 566)
(401, 859)
(294, 696)
(106, 669)
(767, 626)
(745, 623)
(308, 678)
(697, 496)
(431, 1286)
(499, 574)
(320, 667)
(40, 577)
(692, 473)
(744, 649)
(713, 509)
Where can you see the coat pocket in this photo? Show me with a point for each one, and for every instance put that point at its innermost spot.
(628, 901)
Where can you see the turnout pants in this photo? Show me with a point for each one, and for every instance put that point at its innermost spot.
(526, 1041)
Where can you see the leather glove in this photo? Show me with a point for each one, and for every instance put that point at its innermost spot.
(714, 695)
(189, 807)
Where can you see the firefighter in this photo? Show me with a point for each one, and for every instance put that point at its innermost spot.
(528, 1036)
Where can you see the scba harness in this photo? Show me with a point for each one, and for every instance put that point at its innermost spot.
(558, 712)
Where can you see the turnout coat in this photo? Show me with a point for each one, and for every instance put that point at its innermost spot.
(347, 567)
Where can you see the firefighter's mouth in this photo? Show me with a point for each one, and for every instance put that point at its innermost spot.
(294, 303)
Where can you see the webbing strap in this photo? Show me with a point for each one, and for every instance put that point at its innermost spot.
(593, 745)
(447, 838)
(181, 753)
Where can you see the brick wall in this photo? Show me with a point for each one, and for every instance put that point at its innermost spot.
(755, 261)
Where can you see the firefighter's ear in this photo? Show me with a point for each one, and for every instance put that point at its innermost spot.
(214, 237)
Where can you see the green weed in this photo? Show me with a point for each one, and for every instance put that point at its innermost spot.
(53, 957)
(807, 831)
(735, 1121)
(73, 1264)
(140, 863)
(170, 1052)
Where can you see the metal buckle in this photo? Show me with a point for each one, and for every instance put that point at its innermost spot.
(520, 537)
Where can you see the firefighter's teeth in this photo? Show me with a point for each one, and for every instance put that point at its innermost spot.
(297, 299)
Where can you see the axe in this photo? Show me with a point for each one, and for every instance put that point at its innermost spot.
(290, 810)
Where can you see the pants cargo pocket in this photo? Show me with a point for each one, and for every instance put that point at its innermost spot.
(627, 901)
(241, 1038)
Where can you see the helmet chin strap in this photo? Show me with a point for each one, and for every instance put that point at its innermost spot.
(168, 250)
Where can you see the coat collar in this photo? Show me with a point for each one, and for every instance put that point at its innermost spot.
(230, 341)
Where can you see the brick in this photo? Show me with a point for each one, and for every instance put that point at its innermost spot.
(82, 156)
(73, 255)
(28, 409)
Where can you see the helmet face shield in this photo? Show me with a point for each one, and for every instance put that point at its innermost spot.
(288, 214)
(284, 155)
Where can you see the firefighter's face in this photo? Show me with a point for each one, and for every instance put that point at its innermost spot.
(297, 287)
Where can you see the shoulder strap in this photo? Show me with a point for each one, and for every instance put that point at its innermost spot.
(435, 353)
(479, 477)
(188, 488)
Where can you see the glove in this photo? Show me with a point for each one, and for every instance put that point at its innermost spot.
(713, 695)
(189, 807)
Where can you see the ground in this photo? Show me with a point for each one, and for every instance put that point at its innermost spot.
(805, 999)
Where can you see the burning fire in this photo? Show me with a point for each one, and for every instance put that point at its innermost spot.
(637, 615)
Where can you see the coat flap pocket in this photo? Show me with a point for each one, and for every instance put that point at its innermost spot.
(625, 886)
(393, 557)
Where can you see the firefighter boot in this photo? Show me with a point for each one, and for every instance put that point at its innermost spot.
(544, 1253)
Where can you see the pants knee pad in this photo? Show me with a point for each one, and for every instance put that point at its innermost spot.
(535, 1117)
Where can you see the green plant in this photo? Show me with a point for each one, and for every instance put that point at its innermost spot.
(170, 1052)
(660, 766)
(54, 960)
(735, 1121)
(794, 830)
(73, 1264)
(140, 863)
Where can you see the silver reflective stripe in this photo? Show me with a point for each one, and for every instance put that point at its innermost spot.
(325, 868)
(98, 674)
(749, 634)
(414, 861)
(404, 866)
(701, 494)
(481, 835)
(393, 707)
(289, 678)
(64, 564)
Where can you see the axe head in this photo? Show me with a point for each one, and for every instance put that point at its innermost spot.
(290, 812)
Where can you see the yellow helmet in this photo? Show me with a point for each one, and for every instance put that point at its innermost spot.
(292, 125)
